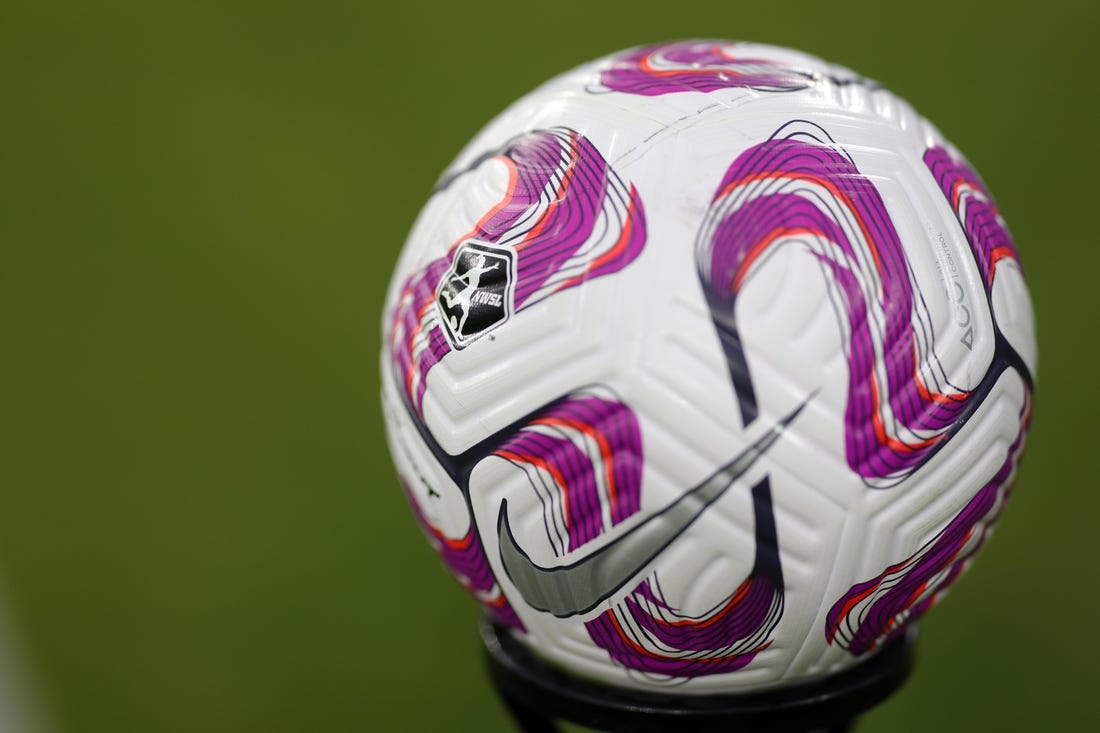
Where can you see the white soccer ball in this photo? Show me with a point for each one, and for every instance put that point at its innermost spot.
(708, 365)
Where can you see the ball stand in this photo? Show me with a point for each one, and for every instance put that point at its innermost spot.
(538, 694)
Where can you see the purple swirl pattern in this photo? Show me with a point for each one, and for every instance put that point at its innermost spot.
(466, 559)
(693, 66)
(799, 187)
(875, 611)
(646, 633)
(583, 459)
(566, 214)
(973, 205)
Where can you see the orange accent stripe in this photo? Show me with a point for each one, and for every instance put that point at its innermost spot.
(559, 194)
(509, 194)
(736, 598)
(642, 650)
(625, 637)
(620, 245)
(998, 254)
(601, 441)
(916, 594)
(763, 244)
(645, 65)
(852, 602)
(832, 188)
(847, 608)
(927, 395)
(413, 363)
(880, 429)
(956, 192)
(513, 179)
(462, 543)
(554, 473)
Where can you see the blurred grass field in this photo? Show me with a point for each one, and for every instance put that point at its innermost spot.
(200, 205)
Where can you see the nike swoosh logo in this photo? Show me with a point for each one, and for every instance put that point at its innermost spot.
(571, 590)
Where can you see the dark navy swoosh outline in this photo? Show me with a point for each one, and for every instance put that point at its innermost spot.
(459, 466)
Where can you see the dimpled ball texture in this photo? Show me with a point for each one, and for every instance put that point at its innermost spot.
(707, 368)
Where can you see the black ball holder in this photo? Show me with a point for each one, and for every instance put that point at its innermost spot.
(537, 695)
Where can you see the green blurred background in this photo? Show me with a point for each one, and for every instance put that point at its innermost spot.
(200, 205)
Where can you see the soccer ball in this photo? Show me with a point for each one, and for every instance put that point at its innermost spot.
(708, 366)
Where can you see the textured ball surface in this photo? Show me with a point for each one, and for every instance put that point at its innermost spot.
(708, 367)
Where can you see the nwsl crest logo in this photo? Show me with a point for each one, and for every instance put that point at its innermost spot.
(476, 293)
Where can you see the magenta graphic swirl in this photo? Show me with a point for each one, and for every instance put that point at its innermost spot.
(873, 612)
(645, 632)
(800, 188)
(876, 610)
(465, 558)
(977, 213)
(565, 213)
(694, 66)
(583, 459)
